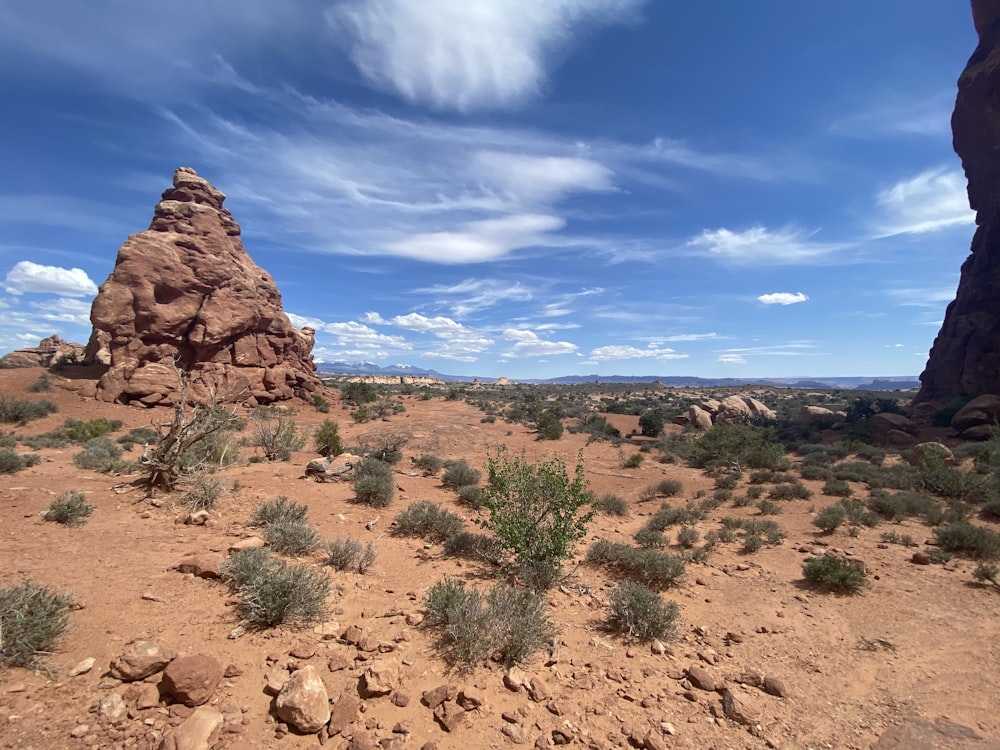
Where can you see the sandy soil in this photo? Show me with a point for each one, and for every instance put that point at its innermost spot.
(922, 641)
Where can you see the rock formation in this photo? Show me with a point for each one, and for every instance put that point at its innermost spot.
(730, 410)
(50, 351)
(186, 293)
(965, 358)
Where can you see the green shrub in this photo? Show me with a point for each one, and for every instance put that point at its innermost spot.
(70, 509)
(246, 564)
(634, 461)
(471, 496)
(278, 593)
(320, 404)
(82, 431)
(536, 512)
(281, 509)
(429, 464)
(327, 439)
(953, 484)
(427, 520)
(860, 471)
(768, 508)
(550, 426)
(687, 537)
(814, 472)
(793, 491)
(837, 488)
(967, 539)
(649, 566)
(138, 435)
(986, 572)
(736, 447)
(669, 487)
(102, 455)
(613, 505)
(291, 536)
(373, 482)
(752, 543)
(19, 411)
(473, 546)
(32, 619)
(755, 492)
(201, 491)
(830, 518)
(11, 462)
(639, 613)
(647, 537)
(349, 554)
(835, 574)
(274, 431)
(41, 385)
(459, 474)
(891, 537)
(728, 481)
(904, 505)
(743, 501)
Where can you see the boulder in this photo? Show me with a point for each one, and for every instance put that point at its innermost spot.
(303, 702)
(202, 565)
(884, 424)
(817, 415)
(191, 680)
(740, 707)
(921, 453)
(699, 418)
(49, 352)
(196, 732)
(185, 294)
(381, 678)
(982, 410)
(140, 659)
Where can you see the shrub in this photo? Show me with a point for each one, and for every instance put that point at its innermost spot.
(102, 455)
(327, 439)
(459, 474)
(633, 461)
(281, 509)
(639, 613)
(19, 411)
(201, 491)
(830, 518)
(687, 537)
(647, 537)
(651, 422)
(835, 574)
(471, 496)
(143, 435)
(70, 509)
(349, 554)
(373, 483)
(320, 404)
(752, 543)
(891, 537)
(244, 565)
(837, 488)
(668, 516)
(967, 539)
(903, 505)
(291, 536)
(11, 462)
(274, 432)
(793, 491)
(550, 427)
(82, 431)
(427, 520)
(536, 512)
(768, 508)
(32, 619)
(613, 505)
(669, 487)
(43, 384)
(429, 464)
(473, 547)
(278, 593)
(383, 446)
(986, 572)
(736, 447)
(814, 472)
(649, 566)
(728, 481)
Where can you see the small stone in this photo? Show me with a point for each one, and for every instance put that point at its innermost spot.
(435, 697)
(381, 678)
(337, 663)
(538, 690)
(303, 702)
(197, 518)
(196, 731)
(653, 741)
(140, 659)
(657, 647)
(191, 680)
(701, 678)
(400, 700)
(232, 671)
(345, 712)
(740, 707)
(148, 697)
(83, 667)
(252, 542)
(515, 679)
(275, 679)
(449, 715)
(774, 686)
(514, 733)
(303, 650)
(470, 697)
(112, 707)
(202, 565)
(80, 730)
(920, 558)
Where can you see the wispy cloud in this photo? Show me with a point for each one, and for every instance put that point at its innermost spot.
(27, 276)
(530, 344)
(759, 244)
(731, 359)
(474, 295)
(935, 297)
(782, 298)
(453, 54)
(738, 354)
(927, 116)
(928, 202)
(622, 352)
(452, 340)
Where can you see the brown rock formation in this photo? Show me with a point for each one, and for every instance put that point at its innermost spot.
(50, 351)
(965, 358)
(185, 291)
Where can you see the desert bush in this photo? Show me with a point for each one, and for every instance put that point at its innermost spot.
(815, 472)
(471, 496)
(54, 439)
(291, 536)
(950, 483)
(768, 508)
(12, 462)
(281, 509)
(651, 422)
(792, 491)
(327, 439)
(891, 537)
(727, 535)
(102, 455)
(830, 518)
(613, 505)
(632, 461)
(536, 512)
(649, 566)
(835, 574)
(550, 426)
(138, 435)
(752, 543)
(639, 613)
(386, 447)
(736, 447)
(991, 509)
(768, 531)
(201, 491)
(32, 619)
(20, 411)
(860, 471)
(349, 554)
(373, 482)
(755, 492)
(459, 474)
(668, 516)
(278, 593)
(647, 537)
(728, 481)
(41, 385)
(968, 539)
(427, 520)
(429, 464)
(669, 487)
(274, 431)
(837, 488)
(320, 404)
(244, 565)
(358, 393)
(70, 509)
(987, 572)
(472, 546)
(82, 431)
(687, 537)
(904, 505)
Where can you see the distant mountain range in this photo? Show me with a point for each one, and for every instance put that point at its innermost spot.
(903, 382)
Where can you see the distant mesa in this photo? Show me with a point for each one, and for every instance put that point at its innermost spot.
(185, 292)
(50, 351)
(965, 358)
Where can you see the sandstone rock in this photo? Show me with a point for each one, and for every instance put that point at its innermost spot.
(50, 351)
(978, 432)
(701, 678)
(980, 411)
(197, 732)
(699, 418)
(470, 697)
(920, 558)
(515, 679)
(436, 696)
(345, 712)
(303, 703)
(653, 741)
(381, 678)
(774, 686)
(140, 659)
(885, 425)
(816, 415)
(83, 666)
(185, 291)
(275, 678)
(147, 697)
(449, 715)
(251, 542)
(191, 680)
(921, 453)
(740, 707)
(918, 733)
(112, 708)
(201, 565)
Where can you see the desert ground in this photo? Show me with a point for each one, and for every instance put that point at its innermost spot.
(914, 656)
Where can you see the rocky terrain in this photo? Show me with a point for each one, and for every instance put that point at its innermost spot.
(185, 293)
(156, 654)
(50, 351)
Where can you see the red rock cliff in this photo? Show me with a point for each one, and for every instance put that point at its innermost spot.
(185, 291)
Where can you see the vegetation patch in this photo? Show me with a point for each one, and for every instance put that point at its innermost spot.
(639, 613)
(12, 462)
(32, 619)
(835, 574)
(427, 520)
(21, 411)
(967, 539)
(373, 482)
(70, 509)
(349, 554)
(651, 567)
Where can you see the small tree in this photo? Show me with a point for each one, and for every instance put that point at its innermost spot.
(327, 439)
(651, 422)
(537, 513)
(550, 427)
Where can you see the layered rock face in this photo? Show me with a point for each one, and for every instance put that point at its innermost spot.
(965, 358)
(50, 351)
(186, 293)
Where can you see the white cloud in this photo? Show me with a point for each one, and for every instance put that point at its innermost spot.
(530, 344)
(474, 295)
(63, 310)
(928, 202)
(738, 355)
(362, 337)
(619, 352)
(531, 179)
(782, 298)
(302, 321)
(691, 337)
(456, 54)
(761, 245)
(731, 359)
(26, 276)
(453, 340)
(478, 241)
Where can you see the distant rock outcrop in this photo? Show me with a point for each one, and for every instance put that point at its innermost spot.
(730, 410)
(50, 351)
(965, 358)
(186, 292)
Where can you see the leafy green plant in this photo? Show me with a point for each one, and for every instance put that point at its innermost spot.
(472, 546)
(327, 439)
(373, 482)
(70, 509)
(320, 404)
(32, 619)
(830, 518)
(82, 431)
(639, 613)
(550, 426)
(835, 574)
(633, 461)
(736, 447)
(427, 520)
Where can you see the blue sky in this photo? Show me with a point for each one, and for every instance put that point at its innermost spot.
(495, 187)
